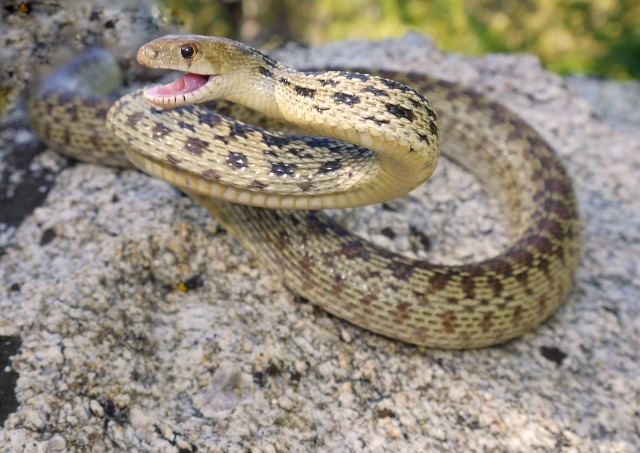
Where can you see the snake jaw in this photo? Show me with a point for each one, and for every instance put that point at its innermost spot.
(189, 88)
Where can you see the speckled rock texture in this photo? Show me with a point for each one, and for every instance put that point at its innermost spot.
(144, 327)
(35, 34)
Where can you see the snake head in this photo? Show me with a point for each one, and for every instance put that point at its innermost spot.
(209, 64)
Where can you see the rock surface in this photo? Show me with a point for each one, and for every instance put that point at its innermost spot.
(142, 326)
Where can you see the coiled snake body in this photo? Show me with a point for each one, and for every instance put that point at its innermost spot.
(387, 144)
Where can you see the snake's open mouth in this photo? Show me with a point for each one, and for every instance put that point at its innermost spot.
(181, 91)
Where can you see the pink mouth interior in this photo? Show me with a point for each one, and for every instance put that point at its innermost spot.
(187, 83)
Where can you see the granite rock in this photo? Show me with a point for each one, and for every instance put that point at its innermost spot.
(145, 327)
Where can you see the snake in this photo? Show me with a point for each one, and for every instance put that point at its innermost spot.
(349, 137)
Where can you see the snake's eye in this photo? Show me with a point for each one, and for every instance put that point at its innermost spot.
(189, 51)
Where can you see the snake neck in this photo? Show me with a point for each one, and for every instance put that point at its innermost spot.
(254, 85)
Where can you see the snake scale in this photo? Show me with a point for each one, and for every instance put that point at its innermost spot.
(369, 138)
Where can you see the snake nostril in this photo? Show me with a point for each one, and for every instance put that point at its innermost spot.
(146, 53)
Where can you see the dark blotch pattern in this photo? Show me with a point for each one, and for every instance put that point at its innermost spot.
(300, 153)
(237, 161)
(439, 281)
(425, 138)
(395, 85)
(268, 60)
(92, 101)
(355, 75)
(66, 97)
(354, 250)
(257, 185)
(315, 226)
(95, 141)
(222, 138)
(100, 113)
(338, 284)
(449, 321)
(485, 324)
(401, 271)
(208, 119)
(375, 91)
(305, 185)
(495, 285)
(552, 227)
(265, 72)
(367, 299)
(433, 127)
(159, 131)
(379, 122)
(469, 287)
(402, 311)
(240, 130)
(330, 166)
(195, 145)
(278, 141)
(210, 174)
(186, 126)
(344, 98)
(134, 118)
(185, 109)
(517, 315)
(330, 82)
(400, 111)
(172, 160)
(500, 267)
(305, 92)
(72, 111)
(283, 169)
(119, 106)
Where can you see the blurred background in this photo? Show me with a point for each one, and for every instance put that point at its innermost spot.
(596, 37)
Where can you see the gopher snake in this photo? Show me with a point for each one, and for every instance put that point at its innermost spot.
(389, 145)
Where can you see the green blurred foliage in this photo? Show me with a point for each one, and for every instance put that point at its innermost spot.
(597, 37)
